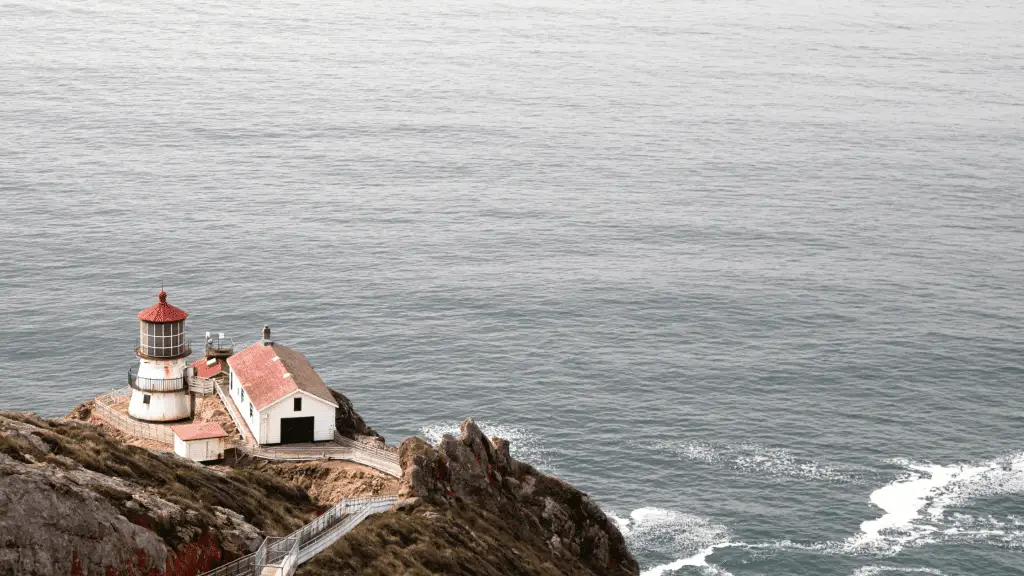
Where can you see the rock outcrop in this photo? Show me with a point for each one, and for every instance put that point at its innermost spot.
(74, 500)
(348, 422)
(469, 507)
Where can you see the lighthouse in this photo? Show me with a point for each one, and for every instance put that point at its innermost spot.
(159, 390)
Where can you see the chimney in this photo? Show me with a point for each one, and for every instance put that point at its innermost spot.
(266, 336)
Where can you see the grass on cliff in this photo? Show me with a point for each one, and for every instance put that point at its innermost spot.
(266, 502)
(462, 539)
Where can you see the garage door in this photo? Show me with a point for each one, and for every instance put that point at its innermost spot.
(296, 430)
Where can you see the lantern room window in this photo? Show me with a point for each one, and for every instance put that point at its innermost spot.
(163, 339)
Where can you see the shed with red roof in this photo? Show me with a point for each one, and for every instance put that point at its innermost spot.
(200, 441)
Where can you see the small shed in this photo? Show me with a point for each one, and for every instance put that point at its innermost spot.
(200, 441)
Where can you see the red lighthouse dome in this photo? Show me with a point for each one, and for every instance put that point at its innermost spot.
(162, 311)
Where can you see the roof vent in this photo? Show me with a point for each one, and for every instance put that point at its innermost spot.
(266, 336)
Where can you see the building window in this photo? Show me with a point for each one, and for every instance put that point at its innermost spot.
(250, 410)
(145, 398)
(241, 394)
(298, 404)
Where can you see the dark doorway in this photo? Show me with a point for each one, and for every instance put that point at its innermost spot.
(296, 430)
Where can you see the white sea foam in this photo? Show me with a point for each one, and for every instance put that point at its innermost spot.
(873, 570)
(753, 458)
(915, 504)
(700, 560)
(666, 532)
(523, 445)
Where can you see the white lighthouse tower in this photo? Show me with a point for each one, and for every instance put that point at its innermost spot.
(159, 390)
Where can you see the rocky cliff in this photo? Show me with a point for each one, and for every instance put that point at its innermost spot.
(470, 508)
(74, 500)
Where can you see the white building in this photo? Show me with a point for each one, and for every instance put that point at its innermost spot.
(159, 390)
(201, 441)
(279, 395)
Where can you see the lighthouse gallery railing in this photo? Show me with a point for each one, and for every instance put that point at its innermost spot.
(154, 384)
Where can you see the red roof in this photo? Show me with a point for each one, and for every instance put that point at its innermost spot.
(198, 431)
(162, 311)
(269, 371)
(204, 370)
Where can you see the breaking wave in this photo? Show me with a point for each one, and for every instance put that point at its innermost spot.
(914, 506)
(874, 570)
(923, 505)
(670, 533)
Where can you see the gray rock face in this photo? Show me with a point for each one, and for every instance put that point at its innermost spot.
(46, 532)
(473, 468)
(74, 501)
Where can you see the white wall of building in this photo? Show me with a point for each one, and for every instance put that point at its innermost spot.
(322, 413)
(161, 368)
(162, 406)
(200, 450)
(266, 425)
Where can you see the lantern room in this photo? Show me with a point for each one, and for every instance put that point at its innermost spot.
(162, 331)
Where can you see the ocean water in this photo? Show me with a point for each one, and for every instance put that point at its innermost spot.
(750, 273)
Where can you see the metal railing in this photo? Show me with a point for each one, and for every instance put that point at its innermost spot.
(105, 410)
(154, 384)
(386, 466)
(217, 346)
(322, 541)
(378, 459)
(284, 554)
(244, 566)
(279, 553)
(383, 453)
(335, 514)
(229, 405)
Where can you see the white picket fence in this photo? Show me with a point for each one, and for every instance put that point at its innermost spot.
(104, 408)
